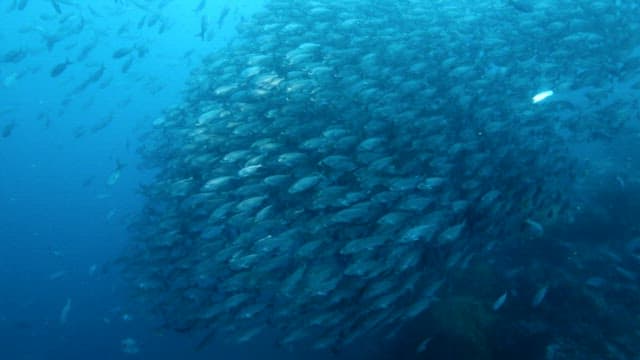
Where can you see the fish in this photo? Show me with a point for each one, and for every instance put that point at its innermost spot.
(499, 302)
(12, 6)
(129, 346)
(422, 347)
(60, 68)
(64, 313)
(91, 79)
(92, 269)
(110, 215)
(7, 130)
(536, 228)
(201, 5)
(204, 24)
(57, 275)
(223, 15)
(521, 5)
(122, 52)
(86, 50)
(127, 65)
(337, 163)
(542, 96)
(206, 340)
(14, 56)
(98, 126)
(115, 174)
(56, 6)
(539, 296)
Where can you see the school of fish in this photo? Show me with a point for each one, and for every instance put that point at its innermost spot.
(330, 169)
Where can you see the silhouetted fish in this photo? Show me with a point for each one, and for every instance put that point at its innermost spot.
(60, 68)
(8, 129)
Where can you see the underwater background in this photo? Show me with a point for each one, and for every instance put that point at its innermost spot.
(121, 129)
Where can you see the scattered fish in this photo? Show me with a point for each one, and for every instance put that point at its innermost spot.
(93, 78)
(7, 130)
(22, 4)
(541, 96)
(499, 302)
(64, 313)
(56, 6)
(204, 25)
(539, 296)
(115, 175)
(60, 68)
(422, 347)
(57, 275)
(122, 52)
(129, 346)
(14, 56)
(223, 15)
(201, 5)
(536, 228)
(521, 5)
(92, 269)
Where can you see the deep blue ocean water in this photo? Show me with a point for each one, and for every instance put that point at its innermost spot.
(63, 223)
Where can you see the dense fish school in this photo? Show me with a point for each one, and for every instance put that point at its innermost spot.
(332, 168)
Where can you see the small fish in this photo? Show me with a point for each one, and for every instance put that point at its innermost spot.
(22, 4)
(14, 56)
(110, 215)
(539, 296)
(500, 301)
(423, 345)
(56, 6)
(204, 25)
(88, 181)
(122, 52)
(223, 15)
(94, 77)
(541, 96)
(626, 274)
(102, 124)
(57, 275)
(10, 79)
(129, 346)
(60, 68)
(596, 282)
(200, 6)
(521, 6)
(92, 269)
(12, 6)
(535, 227)
(8, 129)
(115, 175)
(127, 65)
(64, 314)
(141, 22)
(206, 340)
(86, 50)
